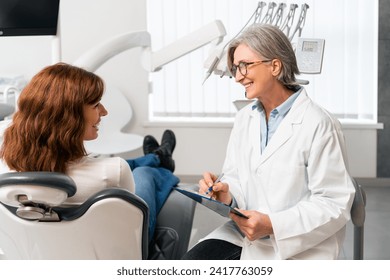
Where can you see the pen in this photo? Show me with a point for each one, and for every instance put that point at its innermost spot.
(215, 182)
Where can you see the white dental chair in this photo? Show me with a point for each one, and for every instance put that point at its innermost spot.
(33, 225)
(112, 224)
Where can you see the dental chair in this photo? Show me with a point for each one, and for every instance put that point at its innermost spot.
(173, 228)
(112, 224)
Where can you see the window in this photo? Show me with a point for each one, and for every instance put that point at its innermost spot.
(347, 86)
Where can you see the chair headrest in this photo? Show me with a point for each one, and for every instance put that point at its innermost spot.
(31, 190)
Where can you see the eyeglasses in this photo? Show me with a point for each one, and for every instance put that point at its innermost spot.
(243, 67)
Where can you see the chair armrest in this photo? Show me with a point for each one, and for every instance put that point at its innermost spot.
(178, 214)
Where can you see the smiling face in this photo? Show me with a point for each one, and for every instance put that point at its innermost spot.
(92, 117)
(259, 79)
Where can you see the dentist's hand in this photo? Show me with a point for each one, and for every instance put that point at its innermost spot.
(220, 191)
(257, 226)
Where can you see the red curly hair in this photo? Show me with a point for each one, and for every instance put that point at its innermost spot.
(47, 130)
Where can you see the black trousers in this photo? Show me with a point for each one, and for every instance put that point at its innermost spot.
(213, 249)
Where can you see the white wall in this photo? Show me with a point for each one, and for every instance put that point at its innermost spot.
(87, 23)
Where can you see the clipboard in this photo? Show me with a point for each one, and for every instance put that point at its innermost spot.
(215, 205)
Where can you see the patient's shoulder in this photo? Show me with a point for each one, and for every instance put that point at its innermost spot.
(90, 163)
(94, 174)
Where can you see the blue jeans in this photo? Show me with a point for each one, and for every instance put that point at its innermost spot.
(153, 184)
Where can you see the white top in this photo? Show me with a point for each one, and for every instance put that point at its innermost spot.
(95, 174)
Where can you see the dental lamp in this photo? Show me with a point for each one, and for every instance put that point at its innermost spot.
(151, 60)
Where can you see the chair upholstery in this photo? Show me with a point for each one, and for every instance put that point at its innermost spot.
(173, 228)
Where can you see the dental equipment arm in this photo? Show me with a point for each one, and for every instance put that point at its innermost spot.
(277, 19)
(97, 56)
(289, 19)
(259, 11)
(269, 15)
(218, 56)
(301, 22)
(211, 33)
(151, 61)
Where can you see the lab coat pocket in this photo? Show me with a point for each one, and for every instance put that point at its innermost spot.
(286, 185)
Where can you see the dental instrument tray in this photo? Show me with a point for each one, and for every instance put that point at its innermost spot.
(215, 205)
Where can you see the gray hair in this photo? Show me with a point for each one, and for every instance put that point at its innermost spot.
(270, 42)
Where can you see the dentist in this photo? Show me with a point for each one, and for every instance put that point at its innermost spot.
(286, 163)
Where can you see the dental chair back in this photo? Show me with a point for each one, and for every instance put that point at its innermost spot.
(35, 224)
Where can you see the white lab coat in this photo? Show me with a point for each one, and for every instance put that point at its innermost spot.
(300, 180)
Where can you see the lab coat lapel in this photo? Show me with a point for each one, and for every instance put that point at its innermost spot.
(285, 129)
(254, 130)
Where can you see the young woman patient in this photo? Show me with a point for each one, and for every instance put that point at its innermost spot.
(59, 109)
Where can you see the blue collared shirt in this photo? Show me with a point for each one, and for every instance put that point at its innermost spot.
(276, 116)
